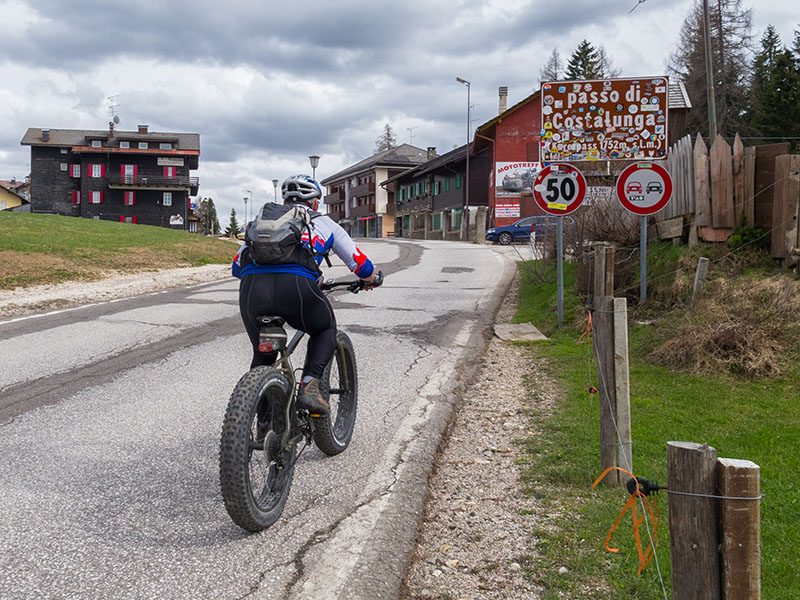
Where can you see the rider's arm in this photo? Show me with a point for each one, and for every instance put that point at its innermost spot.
(236, 267)
(345, 248)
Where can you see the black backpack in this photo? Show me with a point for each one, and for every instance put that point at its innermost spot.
(274, 237)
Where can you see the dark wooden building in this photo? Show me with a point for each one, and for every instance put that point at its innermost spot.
(128, 176)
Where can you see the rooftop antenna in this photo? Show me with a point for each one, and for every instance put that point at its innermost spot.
(411, 134)
(112, 106)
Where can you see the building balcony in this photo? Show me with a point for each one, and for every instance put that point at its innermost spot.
(337, 196)
(362, 190)
(362, 211)
(153, 182)
(336, 215)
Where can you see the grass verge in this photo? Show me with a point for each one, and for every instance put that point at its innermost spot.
(758, 420)
(37, 249)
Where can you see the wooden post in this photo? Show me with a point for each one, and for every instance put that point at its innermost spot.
(740, 545)
(604, 349)
(609, 272)
(700, 278)
(701, 184)
(599, 269)
(622, 384)
(793, 209)
(693, 523)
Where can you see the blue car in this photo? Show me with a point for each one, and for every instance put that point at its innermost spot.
(540, 225)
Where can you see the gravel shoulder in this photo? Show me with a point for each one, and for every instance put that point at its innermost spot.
(478, 525)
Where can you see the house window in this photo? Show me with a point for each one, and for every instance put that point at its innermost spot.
(128, 173)
(142, 145)
(458, 180)
(436, 190)
(98, 170)
(455, 219)
(64, 150)
(167, 198)
(3, 204)
(96, 144)
(96, 198)
(76, 196)
(129, 198)
(165, 146)
(63, 166)
(75, 171)
(124, 144)
(124, 219)
(169, 171)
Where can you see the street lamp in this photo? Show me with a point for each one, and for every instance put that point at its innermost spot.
(466, 187)
(314, 162)
(275, 185)
(247, 214)
(245, 209)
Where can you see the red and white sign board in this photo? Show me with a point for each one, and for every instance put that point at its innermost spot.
(644, 188)
(559, 189)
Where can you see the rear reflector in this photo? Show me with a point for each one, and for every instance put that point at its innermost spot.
(265, 347)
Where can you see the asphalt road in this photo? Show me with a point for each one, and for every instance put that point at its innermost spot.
(110, 417)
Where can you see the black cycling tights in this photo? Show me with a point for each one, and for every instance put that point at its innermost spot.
(298, 300)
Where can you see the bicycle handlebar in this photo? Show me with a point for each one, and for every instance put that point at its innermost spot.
(353, 286)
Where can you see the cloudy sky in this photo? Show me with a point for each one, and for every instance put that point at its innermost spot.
(266, 84)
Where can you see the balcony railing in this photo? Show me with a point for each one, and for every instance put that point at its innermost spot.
(362, 211)
(362, 190)
(154, 181)
(337, 196)
(336, 215)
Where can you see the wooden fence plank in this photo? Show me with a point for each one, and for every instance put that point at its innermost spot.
(622, 383)
(738, 179)
(701, 185)
(780, 207)
(604, 349)
(764, 180)
(793, 210)
(749, 184)
(721, 185)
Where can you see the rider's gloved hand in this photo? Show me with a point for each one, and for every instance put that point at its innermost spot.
(373, 281)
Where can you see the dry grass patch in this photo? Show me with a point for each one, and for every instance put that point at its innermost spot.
(747, 327)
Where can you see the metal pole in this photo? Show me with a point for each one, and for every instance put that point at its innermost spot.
(712, 111)
(643, 260)
(560, 268)
(466, 187)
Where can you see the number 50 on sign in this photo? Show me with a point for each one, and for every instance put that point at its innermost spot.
(559, 189)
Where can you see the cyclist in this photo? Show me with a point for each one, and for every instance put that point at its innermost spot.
(291, 291)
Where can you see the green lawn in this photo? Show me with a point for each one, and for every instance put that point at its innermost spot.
(758, 420)
(39, 249)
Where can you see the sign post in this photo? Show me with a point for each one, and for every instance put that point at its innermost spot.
(644, 188)
(559, 189)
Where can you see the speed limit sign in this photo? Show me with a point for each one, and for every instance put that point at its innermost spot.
(559, 189)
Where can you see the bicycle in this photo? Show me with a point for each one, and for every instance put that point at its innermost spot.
(263, 427)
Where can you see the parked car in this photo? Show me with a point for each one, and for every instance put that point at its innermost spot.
(526, 229)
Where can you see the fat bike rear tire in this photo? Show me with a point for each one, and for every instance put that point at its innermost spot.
(255, 481)
(339, 387)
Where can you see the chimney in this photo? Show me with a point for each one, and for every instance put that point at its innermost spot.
(431, 152)
(143, 128)
(110, 129)
(503, 99)
(45, 135)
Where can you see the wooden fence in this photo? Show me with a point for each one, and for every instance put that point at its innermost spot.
(713, 189)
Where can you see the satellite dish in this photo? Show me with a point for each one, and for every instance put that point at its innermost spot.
(116, 120)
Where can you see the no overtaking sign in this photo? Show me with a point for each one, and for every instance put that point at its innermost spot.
(644, 188)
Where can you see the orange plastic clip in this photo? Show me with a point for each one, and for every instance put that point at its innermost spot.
(587, 331)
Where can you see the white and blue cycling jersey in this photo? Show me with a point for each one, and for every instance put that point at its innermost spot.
(326, 235)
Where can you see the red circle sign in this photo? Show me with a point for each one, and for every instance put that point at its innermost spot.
(559, 189)
(644, 188)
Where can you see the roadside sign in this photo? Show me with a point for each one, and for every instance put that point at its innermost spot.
(559, 189)
(605, 119)
(644, 188)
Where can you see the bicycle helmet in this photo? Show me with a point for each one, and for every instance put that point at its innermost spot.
(300, 188)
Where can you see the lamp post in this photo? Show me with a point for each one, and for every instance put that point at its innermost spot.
(246, 220)
(314, 160)
(466, 186)
(275, 185)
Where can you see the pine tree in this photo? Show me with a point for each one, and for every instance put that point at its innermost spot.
(232, 230)
(584, 63)
(386, 140)
(730, 49)
(207, 213)
(775, 109)
(553, 68)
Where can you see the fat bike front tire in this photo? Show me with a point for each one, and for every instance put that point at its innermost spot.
(339, 387)
(255, 472)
